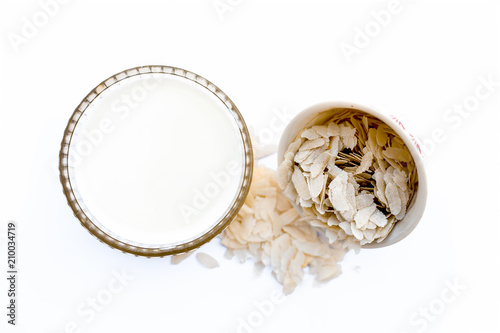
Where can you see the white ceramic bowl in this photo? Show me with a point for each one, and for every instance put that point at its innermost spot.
(320, 113)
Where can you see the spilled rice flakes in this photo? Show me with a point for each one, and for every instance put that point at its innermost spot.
(353, 177)
(207, 260)
(269, 229)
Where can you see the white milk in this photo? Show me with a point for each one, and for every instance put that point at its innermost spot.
(157, 160)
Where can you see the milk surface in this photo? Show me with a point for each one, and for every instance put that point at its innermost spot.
(156, 159)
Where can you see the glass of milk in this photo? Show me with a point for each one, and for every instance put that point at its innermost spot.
(156, 160)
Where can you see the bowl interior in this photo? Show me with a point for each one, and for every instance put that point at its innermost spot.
(318, 114)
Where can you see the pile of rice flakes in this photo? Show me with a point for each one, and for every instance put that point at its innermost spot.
(269, 229)
(352, 178)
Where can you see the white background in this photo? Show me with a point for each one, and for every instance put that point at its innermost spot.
(269, 57)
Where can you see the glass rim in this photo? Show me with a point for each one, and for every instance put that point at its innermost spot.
(93, 228)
